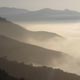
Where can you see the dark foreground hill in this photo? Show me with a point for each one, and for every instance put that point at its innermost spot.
(29, 72)
(5, 76)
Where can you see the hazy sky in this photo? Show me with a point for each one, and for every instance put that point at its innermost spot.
(37, 4)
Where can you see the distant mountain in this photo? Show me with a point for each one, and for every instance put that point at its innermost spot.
(30, 72)
(5, 11)
(49, 15)
(29, 53)
(41, 15)
(17, 32)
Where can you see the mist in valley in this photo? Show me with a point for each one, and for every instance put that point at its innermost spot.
(70, 32)
(67, 42)
(51, 44)
(39, 40)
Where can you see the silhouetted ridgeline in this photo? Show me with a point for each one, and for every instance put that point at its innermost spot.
(17, 32)
(29, 72)
(30, 54)
(41, 15)
(27, 53)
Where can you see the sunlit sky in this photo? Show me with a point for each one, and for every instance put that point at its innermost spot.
(38, 4)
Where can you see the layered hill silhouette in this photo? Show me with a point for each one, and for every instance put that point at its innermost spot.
(30, 72)
(29, 54)
(38, 56)
(41, 15)
(34, 37)
(12, 38)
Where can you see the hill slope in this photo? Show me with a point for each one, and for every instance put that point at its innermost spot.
(29, 53)
(17, 32)
(29, 72)
(40, 38)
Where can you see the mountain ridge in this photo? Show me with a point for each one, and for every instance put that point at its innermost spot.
(42, 15)
(30, 72)
(12, 11)
(13, 44)
(17, 32)
(31, 54)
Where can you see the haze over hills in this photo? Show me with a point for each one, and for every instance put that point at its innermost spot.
(16, 32)
(40, 48)
(30, 54)
(11, 34)
(30, 72)
(33, 37)
(46, 14)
